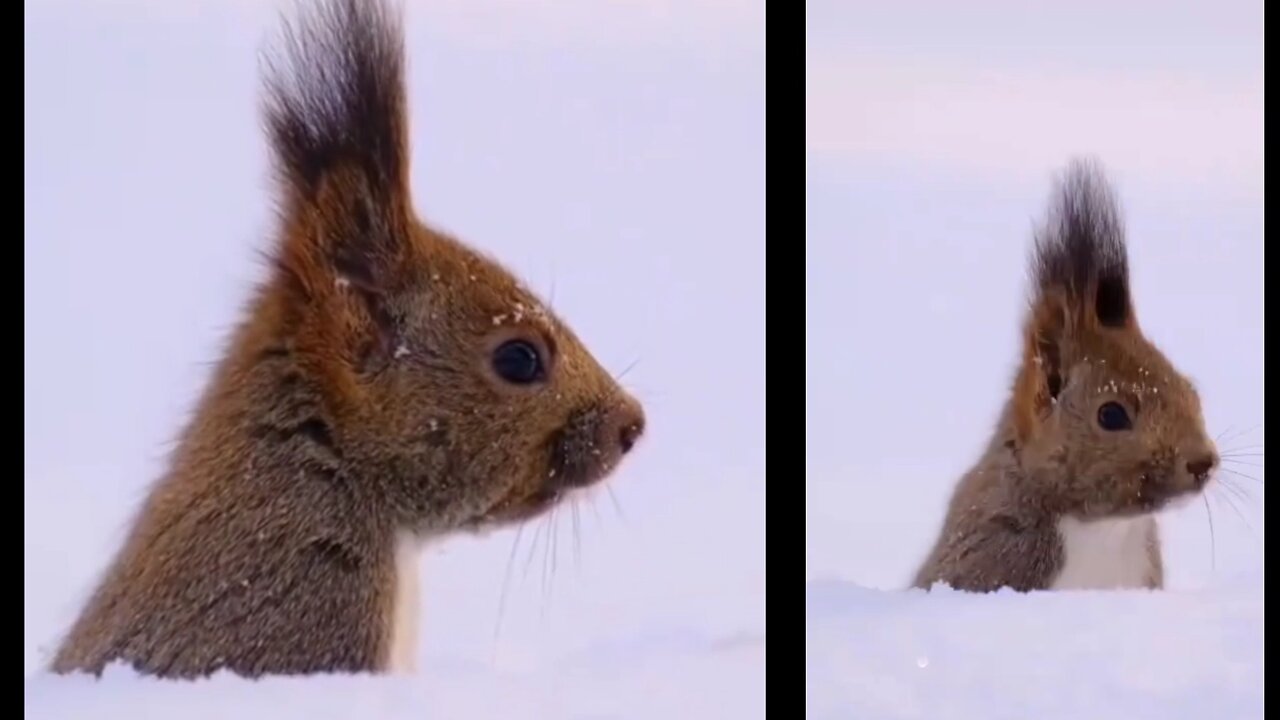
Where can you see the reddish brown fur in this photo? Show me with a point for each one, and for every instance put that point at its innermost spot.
(1048, 457)
(356, 401)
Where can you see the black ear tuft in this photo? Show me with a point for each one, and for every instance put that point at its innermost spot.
(1112, 302)
(335, 114)
(335, 96)
(1080, 250)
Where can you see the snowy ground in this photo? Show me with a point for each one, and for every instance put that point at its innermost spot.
(876, 650)
(1063, 656)
(688, 677)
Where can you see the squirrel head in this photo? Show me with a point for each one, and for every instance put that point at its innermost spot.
(445, 381)
(1104, 424)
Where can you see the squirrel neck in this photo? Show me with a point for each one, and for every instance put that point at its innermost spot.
(258, 550)
(1000, 480)
(260, 440)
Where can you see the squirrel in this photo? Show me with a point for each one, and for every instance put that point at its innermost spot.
(388, 385)
(1099, 433)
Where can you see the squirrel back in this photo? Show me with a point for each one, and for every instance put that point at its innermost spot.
(1100, 431)
(387, 382)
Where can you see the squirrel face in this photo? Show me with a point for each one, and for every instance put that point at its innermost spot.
(1125, 434)
(1105, 425)
(445, 379)
(484, 396)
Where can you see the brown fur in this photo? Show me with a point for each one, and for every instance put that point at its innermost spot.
(1049, 458)
(357, 400)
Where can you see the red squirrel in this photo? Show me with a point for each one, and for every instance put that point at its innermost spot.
(1099, 433)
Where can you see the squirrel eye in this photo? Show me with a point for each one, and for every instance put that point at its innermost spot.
(518, 362)
(1112, 416)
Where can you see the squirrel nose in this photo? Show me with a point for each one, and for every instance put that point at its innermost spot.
(1201, 466)
(625, 424)
(629, 433)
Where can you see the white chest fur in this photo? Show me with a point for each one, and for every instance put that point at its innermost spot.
(404, 615)
(1106, 554)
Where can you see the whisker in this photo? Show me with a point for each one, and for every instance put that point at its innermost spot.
(551, 296)
(1259, 446)
(577, 540)
(549, 559)
(591, 502)
(616, 506)
(1242, 453)
(1235, 490)
(502, 595)
(1242, 463)
(627, 369)
(528, 561)
(1248, 461)
(1240, 474)
(1213, 542)
(555, 547)
(1235, 509)
(1243, 433)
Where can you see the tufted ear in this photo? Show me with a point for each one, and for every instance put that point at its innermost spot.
(335, 115)
(1080, 285)
(1080, 251)
(1048, 348)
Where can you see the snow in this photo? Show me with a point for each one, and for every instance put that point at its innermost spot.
(1068, 655)
(656, 677)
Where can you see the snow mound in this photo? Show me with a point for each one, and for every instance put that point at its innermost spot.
(874, 654)
(696, 678)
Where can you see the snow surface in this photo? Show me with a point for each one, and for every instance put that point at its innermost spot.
(684, 678)
(1052, 656)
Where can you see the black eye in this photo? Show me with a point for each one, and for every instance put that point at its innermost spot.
(518, 362)
(1112, 416)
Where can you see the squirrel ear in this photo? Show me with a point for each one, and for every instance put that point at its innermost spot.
(1046, 348)
(334, 109)
(335, 117)
(1112, 303)
(1048, 344)
(361, 239)
(1080, 250)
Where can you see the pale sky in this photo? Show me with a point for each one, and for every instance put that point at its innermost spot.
(1172, 90)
